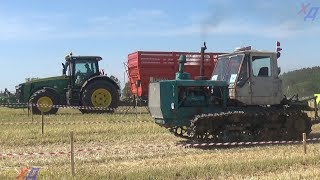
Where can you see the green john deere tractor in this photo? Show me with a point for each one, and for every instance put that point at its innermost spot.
(81, 84)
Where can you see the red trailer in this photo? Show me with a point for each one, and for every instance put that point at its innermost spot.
(149, 66)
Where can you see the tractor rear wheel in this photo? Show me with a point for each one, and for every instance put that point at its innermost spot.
(43, 100)
(99, 94)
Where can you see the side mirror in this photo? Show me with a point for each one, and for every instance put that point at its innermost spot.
(64, 70)
(278, 54)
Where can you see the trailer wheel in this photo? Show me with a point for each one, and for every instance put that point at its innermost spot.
(42, 101)
(100, 94)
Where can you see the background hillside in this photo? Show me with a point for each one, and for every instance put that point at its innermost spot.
(304, 82)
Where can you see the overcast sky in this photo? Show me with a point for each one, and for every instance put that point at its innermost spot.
(36, 35)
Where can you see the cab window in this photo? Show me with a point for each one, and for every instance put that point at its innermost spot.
(261, 66)
(227, 68)
(85, 68)
(243, 75)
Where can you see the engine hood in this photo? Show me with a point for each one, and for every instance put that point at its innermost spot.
(40, 80)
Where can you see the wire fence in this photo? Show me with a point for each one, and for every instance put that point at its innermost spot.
(73, 123)
(119, 110)
(106, 147)
(249, 143)
(162, 146)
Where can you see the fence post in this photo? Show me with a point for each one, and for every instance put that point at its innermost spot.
(136, 105)
(31, 113)
(72, 154)
(304, 140)
(42, 123)
(315, 108)
(28, 109)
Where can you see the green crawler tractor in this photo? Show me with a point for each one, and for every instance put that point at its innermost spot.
(241, 101)
(81, 84)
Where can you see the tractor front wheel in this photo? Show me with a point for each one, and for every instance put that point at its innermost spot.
(99, 94)
(43, 101)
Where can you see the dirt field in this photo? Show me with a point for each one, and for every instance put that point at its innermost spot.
(136, 148)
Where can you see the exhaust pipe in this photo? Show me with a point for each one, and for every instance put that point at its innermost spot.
(202, 77)
(202, 59)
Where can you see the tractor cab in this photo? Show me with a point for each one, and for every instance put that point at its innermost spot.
(81, 68)
(253, 76)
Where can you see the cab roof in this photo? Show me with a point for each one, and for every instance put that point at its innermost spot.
(95, 58)
(246, 52)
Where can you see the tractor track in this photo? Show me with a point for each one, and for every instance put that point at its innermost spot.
(245, 126)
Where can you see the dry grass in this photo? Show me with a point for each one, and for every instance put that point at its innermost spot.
(129, 151)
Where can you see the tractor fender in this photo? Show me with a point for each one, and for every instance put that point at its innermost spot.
(104, 78)
(50, 89)
(54, 91)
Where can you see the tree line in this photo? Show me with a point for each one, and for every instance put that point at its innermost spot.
(304, 82)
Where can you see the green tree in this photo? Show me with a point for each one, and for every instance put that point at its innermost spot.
(126, 91)
(304, 82)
